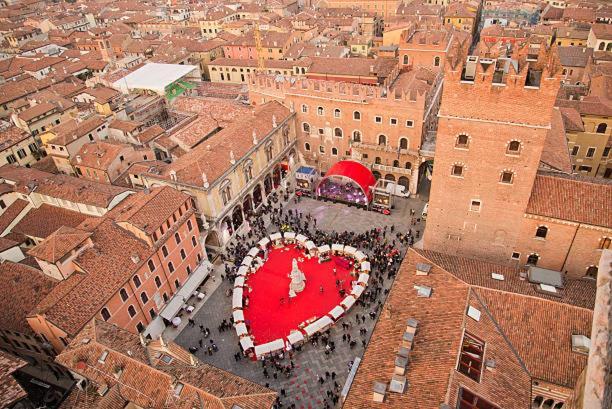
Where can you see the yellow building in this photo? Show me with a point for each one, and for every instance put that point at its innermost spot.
(568, 36)
(241, 159)
(462, 16)
(588, 127)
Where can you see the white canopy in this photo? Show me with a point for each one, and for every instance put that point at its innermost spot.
(246, 343)
(253, 252)
(241, 330)
(363, 278)
(295, 337)
(300, 238)
(348, 302)
(247, 261)
(357, 290)
(193, 281)
(237, 298)
(318, 325)
(276, 236)
(238, 316)
(350, 250)
(324, 248)
(337, 247)
(273, 346)
(365, 266)
(264, 242)
(289, 235)
(310, 245)
(243, 270)
(336, 312)
(360, 256)
(239, 281)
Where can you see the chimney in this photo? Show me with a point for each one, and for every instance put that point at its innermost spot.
(274, 121)
(205, 180)
(173, 175)
(254, 137)
(380, 389)
(232, 158)
(79, 159)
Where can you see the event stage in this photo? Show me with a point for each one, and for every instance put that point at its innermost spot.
(268, 317)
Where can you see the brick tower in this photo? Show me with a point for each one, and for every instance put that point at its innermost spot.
(493, 121)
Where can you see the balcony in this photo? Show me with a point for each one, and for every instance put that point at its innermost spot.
(392, 169)
(382, 148)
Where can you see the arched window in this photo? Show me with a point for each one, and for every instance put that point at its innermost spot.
(132, 311)
(144, 297)
(151, 265)
(356, 136)
(335, 151)
(513, 147)
(306, 127)
(541, 232)
(304, 108)
(338, 132)
(377, 160)
(382, 140)
(405, 61)
(307, 146)
(136, 281)
(604, 243)
(165, 251)
(396, 163)
(601, 128)
(320, 111)
(357, 116)
(609, 47)
(437, 62)
(602, 46)
(158, 282)
(177, 238)
(171, 267)
(462, 141)
(408, 165)
(533, 259)
(403, 143)
(123, 294)
(105, 314)
(591, 272)
(336, 113)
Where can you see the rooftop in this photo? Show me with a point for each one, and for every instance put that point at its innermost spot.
(154, 76)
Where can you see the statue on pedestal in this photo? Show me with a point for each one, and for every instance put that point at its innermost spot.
(298, 280)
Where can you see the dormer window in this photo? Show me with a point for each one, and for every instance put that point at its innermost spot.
(472, 353)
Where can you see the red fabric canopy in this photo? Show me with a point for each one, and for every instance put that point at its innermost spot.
(355, 171)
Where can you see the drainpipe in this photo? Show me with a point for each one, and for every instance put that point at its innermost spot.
(570, 248)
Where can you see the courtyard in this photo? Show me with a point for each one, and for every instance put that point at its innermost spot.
(316, 374)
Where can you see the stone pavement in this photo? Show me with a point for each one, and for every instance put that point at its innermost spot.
(302, 388)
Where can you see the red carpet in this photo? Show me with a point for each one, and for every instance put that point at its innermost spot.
(267, 318)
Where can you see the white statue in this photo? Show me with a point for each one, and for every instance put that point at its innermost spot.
(298, 280)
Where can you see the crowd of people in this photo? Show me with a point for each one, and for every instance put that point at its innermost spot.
(384, 247)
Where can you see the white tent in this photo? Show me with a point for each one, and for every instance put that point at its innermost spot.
(350, 250)
(237, 298)
(363, 278)
(365, 266)
(243, 270)
(357, 291)
(338, 247)
(273, 346)
(336, 312)
(246, 343)
(247, 261)
(300, 238)
(241, 330)
(348, 302)
(239, 282)
(263, 243)
(319, 325)
(295, 337)
(324, 248)
(253, 252)
(238, 316)
(360, 256)
(276, 236)
(289, 235)
(310, 245)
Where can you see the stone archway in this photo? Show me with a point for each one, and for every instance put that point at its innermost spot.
(247, 205)
(390, 177)
(268, 185)
(257, 196)
(237, 217)
(276, 176)
(226, 225)
(404, 181)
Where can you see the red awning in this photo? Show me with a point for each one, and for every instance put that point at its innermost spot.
(355, 171)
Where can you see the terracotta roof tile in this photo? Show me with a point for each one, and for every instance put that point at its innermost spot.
(572, 198)
(10, 390)
(21, 287)
(58, 244)
(11, 213)
(41, 222)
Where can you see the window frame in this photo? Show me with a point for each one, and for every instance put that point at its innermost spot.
(471, 357)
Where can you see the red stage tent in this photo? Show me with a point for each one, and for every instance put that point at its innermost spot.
(355, 171)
